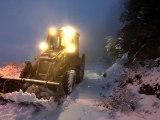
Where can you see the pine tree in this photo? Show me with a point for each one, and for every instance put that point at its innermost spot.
(112, 47)
(140, 36)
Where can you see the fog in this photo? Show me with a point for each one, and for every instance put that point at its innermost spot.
(24, 23)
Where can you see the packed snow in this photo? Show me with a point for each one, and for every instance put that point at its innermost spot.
(103, 95)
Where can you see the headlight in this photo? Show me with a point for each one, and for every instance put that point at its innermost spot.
(71, 49)
(68, 31)
(52, 31)
(43, 46)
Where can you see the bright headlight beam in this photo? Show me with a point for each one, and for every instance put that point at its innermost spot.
(43, 46)
(52, 31)
(71, 49)
(68, 31)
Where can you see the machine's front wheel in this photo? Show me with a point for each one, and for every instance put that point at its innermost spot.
(82, 67)
(80, 70)
(69, 81)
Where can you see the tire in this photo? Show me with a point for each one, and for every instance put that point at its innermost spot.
(69, 81)
(80, 70)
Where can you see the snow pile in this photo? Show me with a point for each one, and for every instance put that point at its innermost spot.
(142, 79)
(121, 100)
(151, 74)
(40, 91)
(110, 81)
(24, 97)
(11, 70)
(132, 91)
(116, 69)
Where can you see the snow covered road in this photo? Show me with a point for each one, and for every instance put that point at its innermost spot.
(83, 101)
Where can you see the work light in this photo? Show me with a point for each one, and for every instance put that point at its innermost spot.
(43, 46)
(68, 31)
(52, 31)
(71, 48)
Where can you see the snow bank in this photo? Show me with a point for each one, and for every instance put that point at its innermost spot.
(116, 69)
(21, 97)
(136, 75)
(130, 78)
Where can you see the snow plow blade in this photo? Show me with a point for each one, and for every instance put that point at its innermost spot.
(8, 85)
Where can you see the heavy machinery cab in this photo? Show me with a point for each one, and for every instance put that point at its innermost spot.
(61, 39)
(64, 41)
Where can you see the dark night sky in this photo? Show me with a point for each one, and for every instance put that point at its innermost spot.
(23, 23)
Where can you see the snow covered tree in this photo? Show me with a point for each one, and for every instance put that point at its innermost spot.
(140, 35)
(112, 47)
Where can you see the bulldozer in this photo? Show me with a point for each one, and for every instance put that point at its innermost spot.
(57, 68)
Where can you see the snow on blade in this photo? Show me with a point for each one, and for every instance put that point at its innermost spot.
(24, 97)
